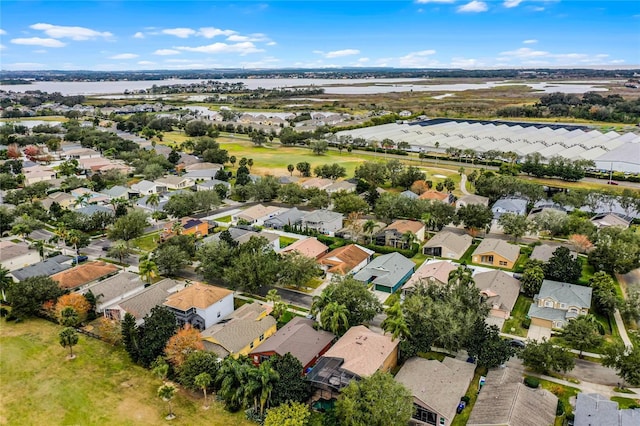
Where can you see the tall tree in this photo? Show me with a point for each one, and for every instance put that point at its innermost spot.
(181, 344)
(563, 266)
(68, 338)
(334, 318)
(376, 400)
(515, 225)
(486, 345)
(260, 385)
(148, 270)
(158, 328)
(626, 361)
(167, 392)
(130, 337)
(203, 380)
(292, 385)
(544, 356)
(474, 217)
(582, 334)
(128, 227)
(605, 298)
(120, 250)
(28, 296)
(361, 304)
(5, 282)
(532, 278)
(296, 269)
(395, 322)
(170, 259)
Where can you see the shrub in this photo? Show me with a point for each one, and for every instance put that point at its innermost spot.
(531, 382)
(526, 323)
(4, 312)
(560, 408)
(466, 399)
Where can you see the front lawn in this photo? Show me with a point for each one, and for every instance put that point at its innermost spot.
(462, 418)
(147, 242)
(518, 315)
(101, 386)
(286, 241)
(564, 393)
(625, 403)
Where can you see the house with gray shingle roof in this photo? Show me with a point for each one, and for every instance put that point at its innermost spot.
(140, 304)
(509, 205)
(448, 244)
(202, 174)
(115, 288)
(495, 252)
(146, 187)
(323, 221)
(387, 273)
(500, 291)
(558, 302)
(436, 388)
(467, 200)
(290, 217)
(120, 192)
(505, 401)
(174, 182)
(544, 252)
(46, 268)
(604, 220)
(210, 185)
(595, 409)
(409, 194)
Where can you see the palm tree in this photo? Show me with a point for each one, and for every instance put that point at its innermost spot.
(22, 228)
(153, 200)
(334, 318)
(279, 308)
(320, 301)
(261, 383)
(203, 380)
(73, 238)
(5, 282)
(167, 391)
(120, 249)
(61, 233)
(148, 269)
(39, 245)
(232, 378)
(369, 227)
(68, 337)
(461, 275)
(386, 144)
(408, 238)
(177, 227)
(81, 200)
(395, 323)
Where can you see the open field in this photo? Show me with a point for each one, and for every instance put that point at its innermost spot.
(101, 386)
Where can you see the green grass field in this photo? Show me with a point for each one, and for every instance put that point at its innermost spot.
(101, 386)
(518, 314)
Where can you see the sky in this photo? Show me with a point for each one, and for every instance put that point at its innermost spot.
(164, 34)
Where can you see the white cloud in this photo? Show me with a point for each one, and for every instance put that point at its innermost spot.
(418, 59)
(166, 52)
(241, 48)
(23, 66)
(251, 37)
(363, 60)
(38, 41)
(434, 1)
(465, 63)
(178, 61)
(74, 33)
(524, 52)
(2, 32)
(341, 53)
(530, 41)
(146, 63)
(124, 56)
(271, 43)
(529, 57)
(139, 34)
(474, 6)
(179, 32)
(538, 9)
(2, 47)
(211, 32)
(511, 3)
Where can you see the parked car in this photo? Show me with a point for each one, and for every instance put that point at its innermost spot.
(79, 259)
(612, 183)
(106, 248)
(461, 407)
(515, 343)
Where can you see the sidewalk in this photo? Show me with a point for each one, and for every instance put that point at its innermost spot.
(622, 330)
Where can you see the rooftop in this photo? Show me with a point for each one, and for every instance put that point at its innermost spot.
(10, 250)
(116, 285)
(197, 295)
(500, 247)
(84, 274)
(140, 305)
(571, 294)
(46, 268)
(500, 288)
(345, 258)
(402, 226)
(429, 272)
(386, 270)
(308, 247)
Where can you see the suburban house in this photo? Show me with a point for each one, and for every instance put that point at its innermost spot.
(174, 182)
(91, 197)
(146, 187)
(300, 339)
(201, 305)
(509, 205)
(82, 275)
(308, 247)
(140, 304)
(505, 401)
(63, 199)
(202, 166)
(46, 268)
(92, 209)
(201, 175)
(241, 236)
(80, 154)
(500, 291)
(319, 183)
(37, 173)
(240, 332)
(447, 244)
(323, 221)
(359, 353)
(346, 259)
(17, 255)
(409, 194)
(354, 231)
(343, 185)
(256, 215)
(544, 252)
(595, 409)
(537, 210)
(210, 185)
(396, 234)
(143, 203)
(604, 220)
(467, 200)
(291, 217)
(114, 289)
(188, 226)
(120, 192)
(445, 197)
(436, 388)
(558, 302)
(494, 252)
(387, 272)
(435, 272)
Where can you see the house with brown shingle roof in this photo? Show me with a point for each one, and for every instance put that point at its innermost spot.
(256, 215)
(240, 332)
(300, 339)
(394, 234)
(346, 259)
(495, 252)
(448, 244)
(500, 291)
(437, 388)
(308, 247)
(200, 305)
(82, 275)
(505, 401)
(430, 273)
(115, 288)
(444, 197)
(359, 353)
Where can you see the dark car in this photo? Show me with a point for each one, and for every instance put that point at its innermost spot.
(106, 248)
(79, 259)
(612, 183)
(461, 407)
(515, 343)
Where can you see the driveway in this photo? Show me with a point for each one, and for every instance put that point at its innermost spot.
(537, 333)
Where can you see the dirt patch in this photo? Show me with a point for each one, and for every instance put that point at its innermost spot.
(141, 414)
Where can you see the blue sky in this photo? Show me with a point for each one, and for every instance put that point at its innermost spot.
(137, 35)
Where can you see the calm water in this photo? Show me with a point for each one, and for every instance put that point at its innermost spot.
(331, 86)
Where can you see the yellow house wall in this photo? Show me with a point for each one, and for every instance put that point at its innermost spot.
(256, 342)
(391, 361)
(496, 260)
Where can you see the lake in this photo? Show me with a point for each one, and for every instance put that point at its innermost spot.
(331, 86)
